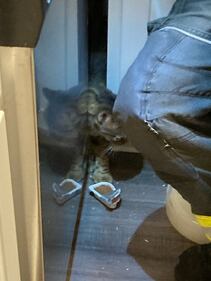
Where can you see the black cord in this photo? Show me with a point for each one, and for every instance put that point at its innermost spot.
(78, 218)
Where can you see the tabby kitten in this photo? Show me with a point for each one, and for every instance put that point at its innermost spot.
(80, 120)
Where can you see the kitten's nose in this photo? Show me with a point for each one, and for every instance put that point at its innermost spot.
(119, 139)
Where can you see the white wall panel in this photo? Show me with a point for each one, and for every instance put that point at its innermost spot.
(114, 44)
(57, 61)
(126, 36)
(135, 15)
(160, 8)
(127, 33)
(54, 51)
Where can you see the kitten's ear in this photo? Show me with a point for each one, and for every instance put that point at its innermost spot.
(55, 95)
(103, 116)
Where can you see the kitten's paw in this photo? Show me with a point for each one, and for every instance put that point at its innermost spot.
(100, 175)
(76, 173)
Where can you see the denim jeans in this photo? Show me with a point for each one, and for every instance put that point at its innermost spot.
(193, 16)
(164, 103)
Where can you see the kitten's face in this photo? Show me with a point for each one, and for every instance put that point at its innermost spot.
(108, 126)
(70, 112)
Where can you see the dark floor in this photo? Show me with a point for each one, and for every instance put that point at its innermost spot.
(134, 242)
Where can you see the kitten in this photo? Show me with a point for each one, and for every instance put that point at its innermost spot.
(80, 121)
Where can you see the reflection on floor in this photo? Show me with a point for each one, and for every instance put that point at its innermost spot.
(135, 242)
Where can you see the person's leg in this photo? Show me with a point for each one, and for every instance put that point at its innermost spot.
(165, 103)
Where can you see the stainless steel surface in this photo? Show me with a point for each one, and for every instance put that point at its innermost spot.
(18, 103)
(8, 237)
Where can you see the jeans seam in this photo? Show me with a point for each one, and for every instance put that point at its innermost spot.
(205, 95)
(200, 33)
(160, 60)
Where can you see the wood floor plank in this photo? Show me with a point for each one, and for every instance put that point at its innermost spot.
(134, 242)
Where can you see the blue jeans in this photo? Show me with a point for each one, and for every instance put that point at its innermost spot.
(164, 103)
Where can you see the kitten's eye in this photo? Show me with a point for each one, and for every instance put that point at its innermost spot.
(102, 117)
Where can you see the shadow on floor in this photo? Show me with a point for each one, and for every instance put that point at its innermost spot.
(194, 264)
(156, 246)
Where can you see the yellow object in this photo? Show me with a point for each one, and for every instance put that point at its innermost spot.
(204, 221)
(208, 236)
(184, 221)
